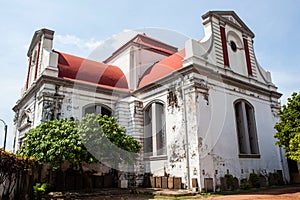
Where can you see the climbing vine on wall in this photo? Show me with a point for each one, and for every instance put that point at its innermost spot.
(11, 166)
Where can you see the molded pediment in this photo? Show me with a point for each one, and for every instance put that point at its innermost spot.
(48, 34)
(229, 17)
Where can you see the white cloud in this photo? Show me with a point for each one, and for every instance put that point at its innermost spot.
(76, 45)
(100, 50)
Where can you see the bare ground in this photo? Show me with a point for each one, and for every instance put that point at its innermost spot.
(286, 193)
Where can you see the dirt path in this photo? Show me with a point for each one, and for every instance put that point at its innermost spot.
(286, 193)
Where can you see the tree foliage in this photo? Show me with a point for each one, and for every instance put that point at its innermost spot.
(55, 142)
(288, 128)
(76, 141)
(106, 140)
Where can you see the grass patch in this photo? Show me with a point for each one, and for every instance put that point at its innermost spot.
(251, 190)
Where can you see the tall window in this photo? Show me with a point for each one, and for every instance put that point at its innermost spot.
(33, 61)
(246, 129)
(154, 130)
(97, 109)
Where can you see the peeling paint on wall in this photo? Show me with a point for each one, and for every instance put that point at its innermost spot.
(172, 98)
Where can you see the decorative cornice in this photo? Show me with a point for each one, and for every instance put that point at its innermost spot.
(66, 83)
(249, 86)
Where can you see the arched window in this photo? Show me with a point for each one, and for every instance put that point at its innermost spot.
(246, 128)
(97, 109)
(154, 130)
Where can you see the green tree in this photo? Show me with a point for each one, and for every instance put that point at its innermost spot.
(55, 142)
(60, 140)
(288, 128)
(106, 140)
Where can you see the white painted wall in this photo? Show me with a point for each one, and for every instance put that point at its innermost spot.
(134, 61)
(237, 60)
(218, 136)
(123, 61)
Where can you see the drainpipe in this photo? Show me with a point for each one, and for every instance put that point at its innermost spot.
(186, 136)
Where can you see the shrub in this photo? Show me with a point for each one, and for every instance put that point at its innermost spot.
(229, 181)
(244, 184)
(254, 180)
(11, 167)
(275, 178)
(278, 177)
(40, 189)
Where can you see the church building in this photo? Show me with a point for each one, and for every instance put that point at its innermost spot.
(200, 112)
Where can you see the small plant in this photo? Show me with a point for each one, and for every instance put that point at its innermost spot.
(275, 179)
(40, 189)
(278, 178)
(254, 180)
(244, 184)
(229, 181)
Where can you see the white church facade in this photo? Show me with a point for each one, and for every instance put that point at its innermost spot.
(200, 112)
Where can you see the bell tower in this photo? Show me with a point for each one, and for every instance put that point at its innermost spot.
(233, 46)
(39, 55)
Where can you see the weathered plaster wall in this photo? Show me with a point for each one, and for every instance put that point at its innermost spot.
(218, 143)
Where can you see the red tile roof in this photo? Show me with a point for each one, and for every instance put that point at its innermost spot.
(163, 68)
(76, 68)
(97, 85)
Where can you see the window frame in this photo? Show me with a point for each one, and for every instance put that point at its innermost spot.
(246, 131)
(160, 151)
(96, 105)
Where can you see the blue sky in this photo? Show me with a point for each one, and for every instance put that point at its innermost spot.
(81, 25)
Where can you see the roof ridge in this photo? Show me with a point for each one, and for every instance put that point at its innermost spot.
(167, 49)
(154, 39)
(86, 59)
